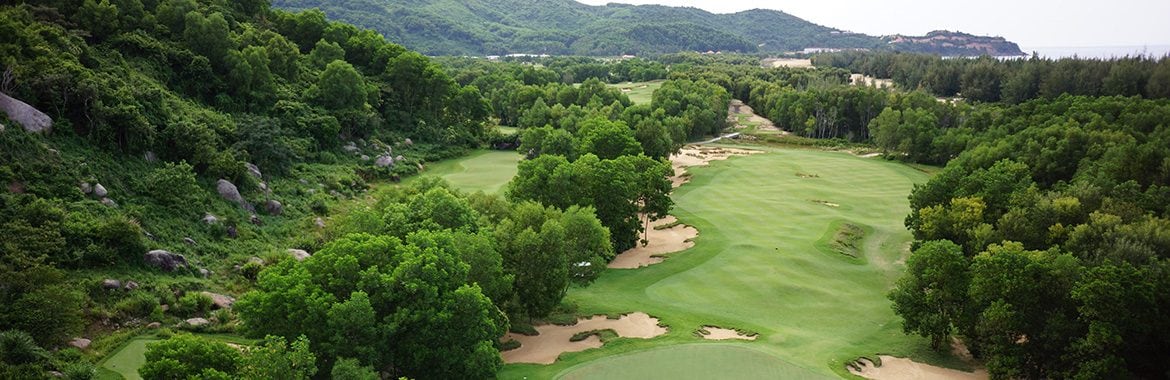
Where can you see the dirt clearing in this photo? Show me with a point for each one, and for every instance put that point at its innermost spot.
(788, 62)
(665, 235)
(906, 369)
(554, 340)
(742, 116)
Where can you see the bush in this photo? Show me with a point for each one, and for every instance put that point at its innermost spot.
(137, 305)
(78, 371)
(193, 304)
(17, 347)
(251, 270)
(174, 186)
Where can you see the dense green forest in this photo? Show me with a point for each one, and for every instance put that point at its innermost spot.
(566, 27)
(1012, 81)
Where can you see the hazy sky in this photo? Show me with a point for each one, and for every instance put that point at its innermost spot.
(1031, 23)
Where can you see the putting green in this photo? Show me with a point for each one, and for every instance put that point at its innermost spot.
(127, 360)
(707, 361)
(485, 170)
(756, 266)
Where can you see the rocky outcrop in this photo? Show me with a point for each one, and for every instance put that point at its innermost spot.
(80, 343)
(164, 260)
(274, 207)
(111, 284)
(384, 162)
(947, 43)
(197, 322)
(100, 191)
(220, 301)
(28, 117)
(254, 170)
(230, 192)
(298, 254)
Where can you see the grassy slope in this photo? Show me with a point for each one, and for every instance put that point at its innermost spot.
(756, 267)
(639, 94)
(486, 171)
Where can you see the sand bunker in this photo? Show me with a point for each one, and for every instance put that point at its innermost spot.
(694, 155)
(662, 241)
(719, 333)
(554, 340)
(906, 369)
(865, 80)
(737, 110)
(788, 62)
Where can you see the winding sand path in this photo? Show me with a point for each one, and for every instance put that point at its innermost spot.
(905, 369)
(554, 340)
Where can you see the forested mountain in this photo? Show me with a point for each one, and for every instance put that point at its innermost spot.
(561, 27)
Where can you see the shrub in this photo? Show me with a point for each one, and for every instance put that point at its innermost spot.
(18, 347)
(174, 185)
(251, 270)
(138, 304)
(78, 371)
(193, 304)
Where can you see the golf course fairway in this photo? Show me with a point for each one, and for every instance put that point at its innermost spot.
(485, 170)
(761, 264)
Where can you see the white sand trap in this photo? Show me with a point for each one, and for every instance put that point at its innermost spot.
(905, 369)
(662, 241)
(719, 333)
(788, 62)
(553, 340)
(694, 155)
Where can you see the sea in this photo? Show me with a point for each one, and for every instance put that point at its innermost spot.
(1102, 52)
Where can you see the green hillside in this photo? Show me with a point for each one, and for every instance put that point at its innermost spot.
(559, 27)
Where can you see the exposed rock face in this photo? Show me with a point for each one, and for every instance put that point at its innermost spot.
(28, 117)
(320, 223)
(205, 273)
(949, 43)
(110, 284)
(80, 343)
(298, 254)
(254, 170)
(273, 207)
(228, 191)
(197, 322)
(100, 191)
(164, 260)
(220, 301)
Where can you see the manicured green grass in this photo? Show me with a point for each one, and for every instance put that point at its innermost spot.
(640, 92)
(756, 266)
(508, 131)
(127, 360)
(486, 171)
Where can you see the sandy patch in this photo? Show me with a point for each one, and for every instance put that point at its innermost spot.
(865, 80)
(553, 340)
(719, 333)
(788, 62)
(661, 241)
(694, 155)
(737, 110)
(870, 155)
(906, 369)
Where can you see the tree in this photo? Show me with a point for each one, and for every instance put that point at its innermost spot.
(931, 297)
(351, 369)
(324, 53)
(606, 139)
(185, 356)
(208, 36)
(275, 359)
(101, 19)
(340, 88)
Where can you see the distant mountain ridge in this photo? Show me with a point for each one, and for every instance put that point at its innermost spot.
(566, 27)
(949, 43)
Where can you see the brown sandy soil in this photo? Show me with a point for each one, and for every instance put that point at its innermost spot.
(737, 108)
(906, 369)
(694, 155)
(788, 62)
(662, 241)
(719, 333)
(865, 80)
(553, 340)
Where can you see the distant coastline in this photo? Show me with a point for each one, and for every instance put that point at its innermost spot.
(1103, 52)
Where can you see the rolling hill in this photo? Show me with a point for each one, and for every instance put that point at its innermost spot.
(566, 27)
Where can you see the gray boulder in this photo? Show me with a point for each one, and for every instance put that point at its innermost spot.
(257, 260)
(205, 272)
(256, 220)
(220, 301)
(320, 223)
(149, 156)
(197, 322)
(111, 284)
(273, 207)
(350, 148)
(130, 285)
(365, 158)
(400, 158)
(229, 191)
(298, 254)
(254, 170)
(80, 343)
(100, 191)
(86, 188)
(408, 141)
(28, 117)
(384, 161)
(210, 219)
(154, 325)
(109, 202)
(189, 241)
(164, 260)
